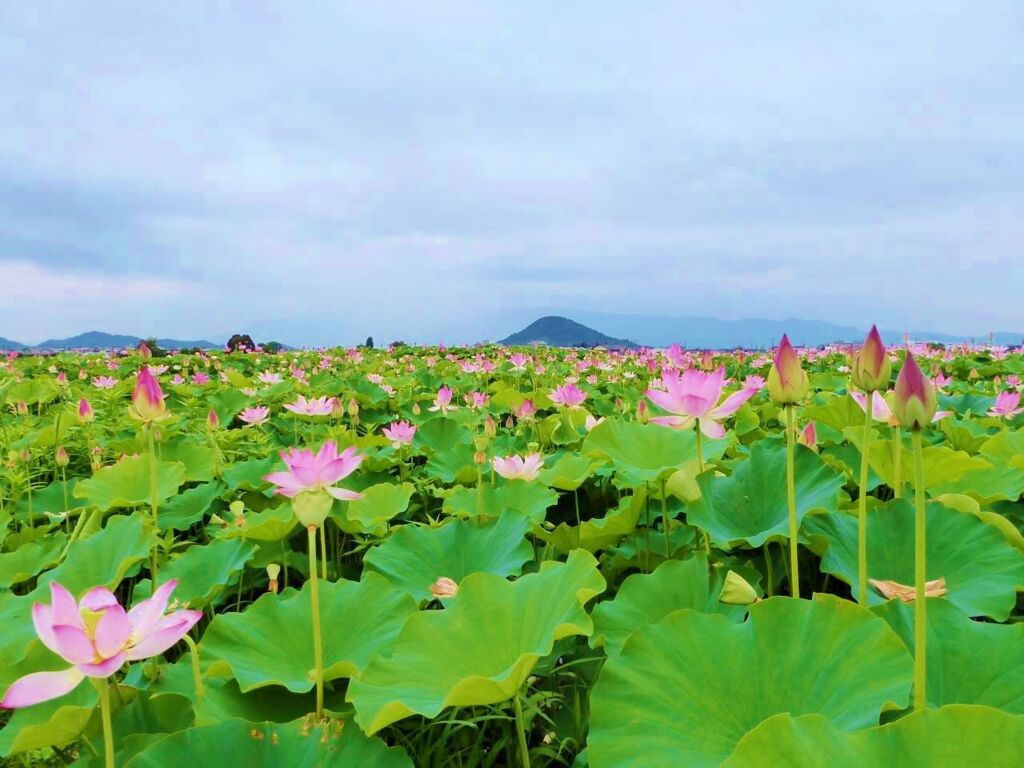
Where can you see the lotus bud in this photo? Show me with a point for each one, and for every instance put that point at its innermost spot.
(312, 507)
(416, 409)
(62, 458)
(62, 379)
(273, 571)
(444, 587)
(642, 414)
(914, 401)
(147, 398)
(83, 374)
(787, 381)
(479, 457)
(212, 420)
(871, 367)
(510, 422)
(337, 408)
(973, 375)
(480, 442)
(353, 407)
(809, 436)
(707, 360)
(21, 408)
(737, 590)
(490, 427)
(145, 351)
(85, 412)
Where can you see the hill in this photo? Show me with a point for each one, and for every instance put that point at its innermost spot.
(7, 344)
(102, 340)
(562, 332)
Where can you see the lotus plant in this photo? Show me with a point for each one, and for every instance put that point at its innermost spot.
(443, 401)
(788, 385)
(518, 467)
(568, 396)
(400, 433)
(255, 415)
(1007, 405)
(319, 406)
(97, 637)
(914, 406)
(310, 482)
(148, 407)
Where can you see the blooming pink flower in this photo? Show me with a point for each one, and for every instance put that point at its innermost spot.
(694, 397)
(97, 636)
(941, 380)
(754, 382)
(518, 360)
(518, 467)
(477, 400)
(590, 422)
(269, 378)
(399, 433)
(104, 382)
(255, 415)
(200, 378)
(320, 406)
(568, 395)
(178, 380)
(308, 471)
(443, 401)
(1007, 405)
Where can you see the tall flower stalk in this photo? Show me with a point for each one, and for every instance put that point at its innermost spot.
(870, 373)
(914, 405)
(149, 408)
(788, 385)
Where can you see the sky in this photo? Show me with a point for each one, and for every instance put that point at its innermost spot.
(320, 172)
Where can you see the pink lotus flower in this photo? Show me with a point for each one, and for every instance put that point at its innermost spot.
(754, 382)
(320, 406)
(270, 378)
(443, 401)
(568, 396)
(399, 433)
(590, 422)
(1007, 405)
(518, 467)
(941, 380)
(255, 415)
(200, 378)
(809, 436)
(97, 636)
(694, 397)
(85, 411)
(147, 398)
(178, 380)
(880, 410)
(104, 382)
(525, 411)
(308, 471)
(477, 400)
(518, 360)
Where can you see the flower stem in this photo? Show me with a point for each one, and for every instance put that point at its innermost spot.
(794, 565)
(920, 608)
(197, 674)
(862, 508)
(524, 747)
(664, 520)
(323, 550)
(700, 452)
(152, 499)
(897, 462)
(103, 687)
(314, 591)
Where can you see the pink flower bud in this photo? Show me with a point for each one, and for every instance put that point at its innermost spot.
(85, 412)
(787, 381)
(914, 400)
(147, 398)
(871, 367)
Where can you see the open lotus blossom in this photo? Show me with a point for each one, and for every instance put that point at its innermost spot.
(1007, 405)
(268, 377)
(880, 410)
(518, 360)
(590, 422)
(568, 396)
(255, 415)
(399, 433)
(891, 589)
(308, 471)
(97, 636)
(443, 401)
(754, 382)
(319, 406)
(694, 396)
(104, 382)
(518, 467)
(200, 378)
(477, 400)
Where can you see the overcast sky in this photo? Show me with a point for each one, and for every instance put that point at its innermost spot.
(323, 171)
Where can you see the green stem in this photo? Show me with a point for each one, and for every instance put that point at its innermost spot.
(920, 608)
(152, 499)
(700, 452)
(770, 576)
(103, 687)
(197, 675)
(862, 507)
(794, 566)
(576, 504)
(323, 551)
(897, 462)
(314, 592)
(524, 747)
(664, 520)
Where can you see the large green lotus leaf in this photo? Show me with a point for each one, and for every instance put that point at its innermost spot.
(203, 571)
(835, 411)
(441, 431)
(52, 498)
(299, 744)
(271, 642)
(188, 506)
(684, 691)
(644, 453)
(600, 532)
(199, 459)
(942, 464)
(380, 503)
(248, 475)
(228, 403)
(528, 499)
(413, 557)
(481, 648)
(647, 598)
(1003, 479)
(750, 507)
(454, 464)
(28, 560)
(144, 721)
(969, 662)
(964, 503)
(126, 484)
(983, 571)
(954, 736)
(33, 391)
(272, 524)
(568, 472)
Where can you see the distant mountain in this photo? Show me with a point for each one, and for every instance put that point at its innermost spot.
(562, 332)
(712, 333)
(9, 345)
(101, 340)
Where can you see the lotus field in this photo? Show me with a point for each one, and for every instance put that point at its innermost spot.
(451, 558)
